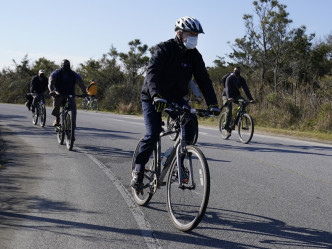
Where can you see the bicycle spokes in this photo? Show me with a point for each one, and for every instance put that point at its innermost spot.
(187, 201)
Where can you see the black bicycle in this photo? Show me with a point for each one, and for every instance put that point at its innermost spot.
(171, 124)
(241, 119)
(188, 176)
(40, 111)
(65, 129)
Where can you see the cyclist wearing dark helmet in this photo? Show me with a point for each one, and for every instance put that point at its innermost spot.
(231, 93)
(63, 81)
(38, 87)
(170, 68)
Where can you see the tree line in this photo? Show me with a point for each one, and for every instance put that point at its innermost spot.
(289, 72)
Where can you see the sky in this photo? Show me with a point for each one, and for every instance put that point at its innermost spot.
(80, 30)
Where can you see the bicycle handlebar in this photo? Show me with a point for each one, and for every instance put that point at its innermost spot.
(56, 93)
(186, 110)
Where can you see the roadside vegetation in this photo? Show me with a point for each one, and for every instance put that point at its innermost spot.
(287, 69)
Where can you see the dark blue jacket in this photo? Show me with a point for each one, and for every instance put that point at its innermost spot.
(64, 82)
(233, 85)
(38, 85)
(170, 69)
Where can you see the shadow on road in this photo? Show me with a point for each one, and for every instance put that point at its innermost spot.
(273, 147)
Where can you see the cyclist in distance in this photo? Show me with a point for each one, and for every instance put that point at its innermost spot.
(170, 68)
(231, 93)
(63, 81)
(38, 86)
(92, 90)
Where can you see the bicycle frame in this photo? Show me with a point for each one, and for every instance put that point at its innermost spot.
(178, 147)
(239, 111)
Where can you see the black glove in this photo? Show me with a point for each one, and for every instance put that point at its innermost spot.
(159, 103)
(214, 110)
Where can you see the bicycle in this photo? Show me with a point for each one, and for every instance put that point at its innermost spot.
(65, 129)
(92, 104)
(171, 125)
(188, 186)
(242, 120)
(40, 111)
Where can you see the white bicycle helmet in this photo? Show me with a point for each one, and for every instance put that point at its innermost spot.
(190, 24)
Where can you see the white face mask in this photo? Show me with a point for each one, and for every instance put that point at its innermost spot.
(191, 42)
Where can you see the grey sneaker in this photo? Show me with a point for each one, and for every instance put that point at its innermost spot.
(137, 181)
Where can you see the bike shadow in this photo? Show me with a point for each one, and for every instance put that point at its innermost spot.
(272, 232)
(114, 134)
(269, 232)
(273, 147)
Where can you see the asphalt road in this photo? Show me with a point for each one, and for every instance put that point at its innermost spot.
(275, 192)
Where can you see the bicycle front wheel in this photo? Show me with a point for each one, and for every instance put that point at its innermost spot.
(35, 116)
(188, 198)
(222, 123)
(149, 180)
(245, 128)
(60, 132)
(42, 115)
(69, 130)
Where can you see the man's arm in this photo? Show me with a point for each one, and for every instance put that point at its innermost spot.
(80, 83)
(194, 89)
(246, 89)
(32, 85)
(203, 80)
(228, 91)
(51, 82)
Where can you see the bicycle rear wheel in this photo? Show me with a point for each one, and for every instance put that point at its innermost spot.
(222, 122)
(245, 128)
(149, 180)
(187, 203)
(170, 124)
(42, 115)
(69, 130)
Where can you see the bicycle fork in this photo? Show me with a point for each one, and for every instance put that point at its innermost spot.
(180, 156)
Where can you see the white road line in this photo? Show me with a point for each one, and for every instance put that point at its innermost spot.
(139, 216)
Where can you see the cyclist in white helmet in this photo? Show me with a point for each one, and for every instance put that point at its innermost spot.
(170, 68)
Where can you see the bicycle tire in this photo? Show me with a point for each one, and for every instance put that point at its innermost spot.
(35, 116)
(196, 134)
(69, 130)
(149, 179)
(42, 115)
(169, 125)
(60, 132)
(186, 207)
(95, 105)
(245, 128)
(222, 122)
(84, 105)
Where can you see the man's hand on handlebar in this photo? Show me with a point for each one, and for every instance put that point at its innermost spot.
(159, 103)
(214, 110)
